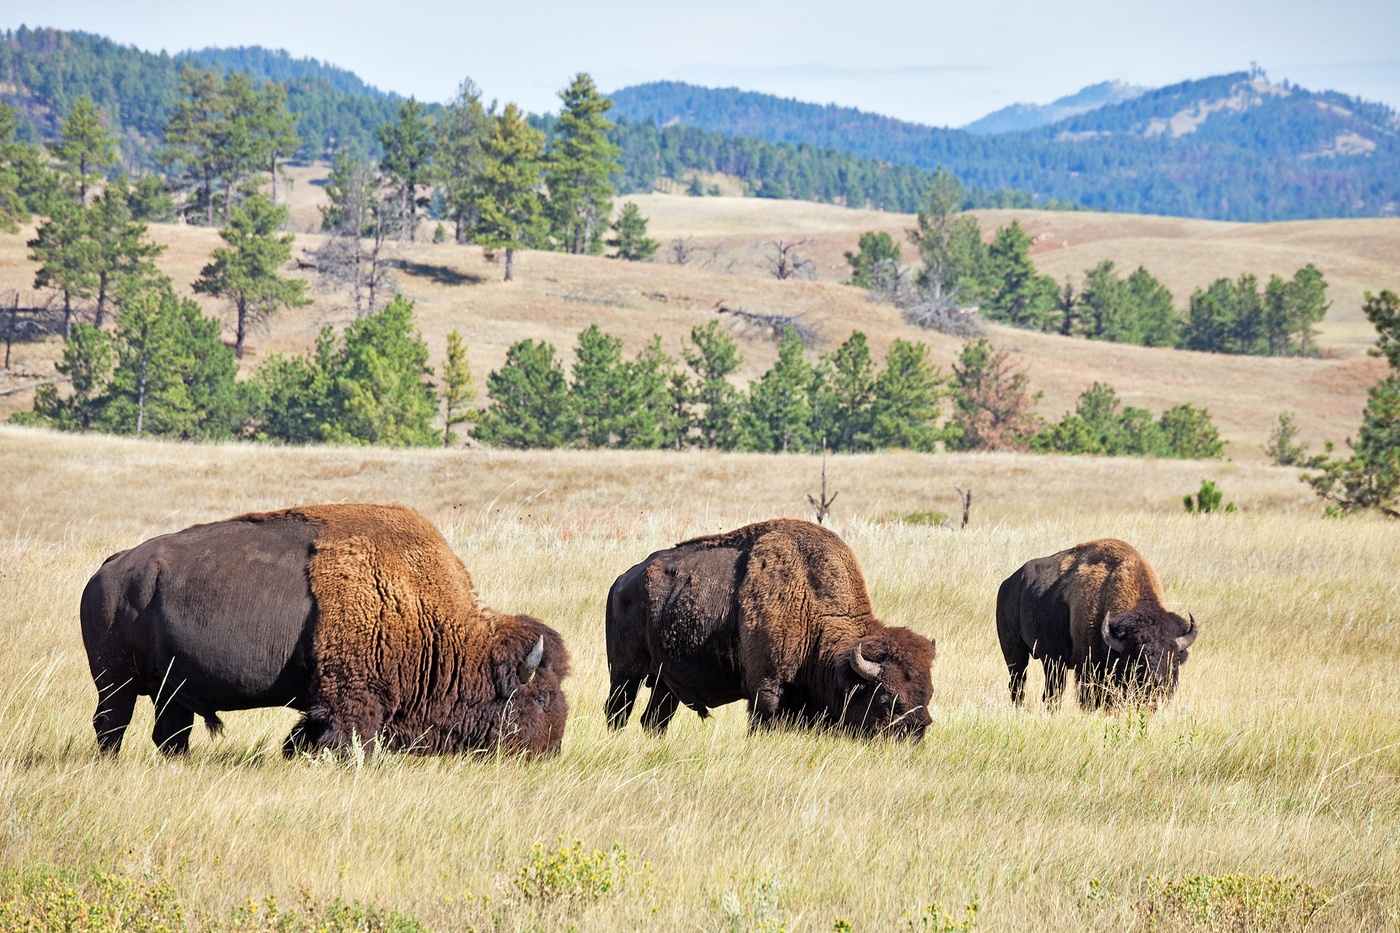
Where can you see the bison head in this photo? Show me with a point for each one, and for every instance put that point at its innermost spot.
(888, 684)
(1146, 648)
(529, 664)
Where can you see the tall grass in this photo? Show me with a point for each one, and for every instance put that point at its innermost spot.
(1279, 757)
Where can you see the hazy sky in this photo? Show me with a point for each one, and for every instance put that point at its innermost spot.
(934, 62)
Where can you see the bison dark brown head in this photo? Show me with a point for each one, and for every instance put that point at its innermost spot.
(1146, 648)
(529, 664)
(888, 684)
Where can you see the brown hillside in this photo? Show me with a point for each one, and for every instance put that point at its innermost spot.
(558, 295)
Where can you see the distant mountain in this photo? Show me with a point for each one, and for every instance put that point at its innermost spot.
(1019, 117)
(1230, 147)
(278, 65)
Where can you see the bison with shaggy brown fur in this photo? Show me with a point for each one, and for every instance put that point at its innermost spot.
(1096, 608)
(775, 613)
(359, 616)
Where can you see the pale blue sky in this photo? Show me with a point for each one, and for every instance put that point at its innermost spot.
(934, 62)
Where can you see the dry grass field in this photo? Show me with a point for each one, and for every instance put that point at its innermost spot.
(1279, 757)
(557, 296)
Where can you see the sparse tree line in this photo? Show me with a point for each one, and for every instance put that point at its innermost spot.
(957, 270)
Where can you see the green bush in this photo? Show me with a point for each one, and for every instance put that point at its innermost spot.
(1232, 902)
(1206, 500)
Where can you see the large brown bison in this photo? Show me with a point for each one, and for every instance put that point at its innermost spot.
(775, 613)
(359, 616)
(1096, 608)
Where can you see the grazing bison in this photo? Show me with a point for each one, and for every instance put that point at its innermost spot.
(1097, 608)
(775, 613)
(359, 616)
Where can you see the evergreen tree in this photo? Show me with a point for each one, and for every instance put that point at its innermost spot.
(289, 397)
(276, 128)
(1308, 304)
(530, 404)
(1158, 324)
(1188, 433)
(87, 362)
(876, 254)
(408, 154)
(510, 207)
(174, 376)
(599, 394)
(714, 356)
(780, 410)
(457, 390)
(64, 249)
(992, 404)
(846, 397)
(1018, 295)
(1370, 478)
(13, 208)
(119, 248)
(460, 160)
(908, 399)
(86, 147)
(949, 243)
(245, 271)
(1067, 308)
(658, 392)
(192, 138)
(1211, 319)
(378, 373)
(631, 241)
(1101, 303)
(579, 167)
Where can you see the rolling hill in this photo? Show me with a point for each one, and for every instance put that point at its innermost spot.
(1018, 117)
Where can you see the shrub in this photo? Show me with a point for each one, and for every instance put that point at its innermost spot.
(1232, 902)
(1207, 500)
(570, 872)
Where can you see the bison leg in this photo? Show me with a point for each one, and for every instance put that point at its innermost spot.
(115, 705)
(172, 730)
(1055, 673)
(660, 708)
(621, 697)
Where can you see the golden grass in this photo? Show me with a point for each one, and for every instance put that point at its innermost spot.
(557, 296)
(1279, 757)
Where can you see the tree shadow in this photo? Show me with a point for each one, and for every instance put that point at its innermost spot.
(442, 275)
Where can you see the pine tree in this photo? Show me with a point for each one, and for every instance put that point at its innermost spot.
(192, 137)
(13, 208)
(510, 207)
(245, 271)
(631, 241)
(780, 408)
(174, 376)
(908, 399)
(87, 362)
(1019, 295)
(460, 160)
(120, 250)
(86, 148)
(992, 404)
(1158, 324)
(876, 254)
(847, 395)
(408, 154)
(657, 394)
(949, 243)
(64, 249)
(1308, 303)
(579, 167)
(530, 404)
(276, 128)
(714, 356)
(457, 390)
(378, 377)
(599, 394)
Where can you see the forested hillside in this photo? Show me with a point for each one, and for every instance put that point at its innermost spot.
(1232, 147)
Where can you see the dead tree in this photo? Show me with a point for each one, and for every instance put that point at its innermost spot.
(785, 263)
(682, 251)
(822, 506)
(775, 325)
(966, 498)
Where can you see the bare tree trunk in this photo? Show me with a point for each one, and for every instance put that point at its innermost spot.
(242, 329)
(510, 260)
(10, 332)
(208, 198)
(101, 298)
(67, 316)
(141, 396)
(274, 179)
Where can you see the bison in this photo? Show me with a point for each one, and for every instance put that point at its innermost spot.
(1096, 607)
(359, 616)
(775, 613)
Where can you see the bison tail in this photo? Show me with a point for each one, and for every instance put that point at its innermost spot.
(214, 724)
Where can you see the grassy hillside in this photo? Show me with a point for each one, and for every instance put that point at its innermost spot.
(1277, 758)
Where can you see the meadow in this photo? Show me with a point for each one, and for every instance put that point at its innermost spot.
(1266, 795)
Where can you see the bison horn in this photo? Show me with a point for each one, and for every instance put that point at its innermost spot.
(526, 670)
(1114, 642)
(1184, 641)
(867, 669)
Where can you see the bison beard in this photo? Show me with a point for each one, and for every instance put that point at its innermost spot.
(1096, 608)
(359, 616)
(776, 614)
